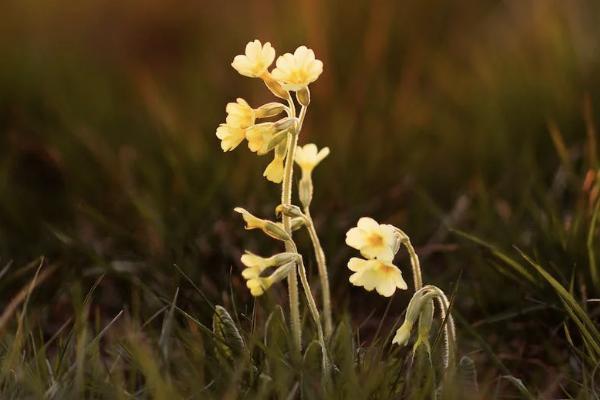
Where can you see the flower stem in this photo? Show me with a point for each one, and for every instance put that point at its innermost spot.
(414, 259)
(322, 266)
(312, 305)
(286, 199)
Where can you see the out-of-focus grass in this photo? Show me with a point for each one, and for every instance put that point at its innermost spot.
(476, 115)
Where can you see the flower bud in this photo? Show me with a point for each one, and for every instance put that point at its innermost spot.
(303, 96)
(425, 321)
(274, 86)
(276, 231)
(286, 123)
(273, 229)
(403, 333)
(280, 273)
(289, 210)
(269, 110)
(277, 139)
(298, 223)
(305, 190)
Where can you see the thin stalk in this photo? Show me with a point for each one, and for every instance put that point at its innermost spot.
(312, 305)
(286, 198)
(414, 259)
(322, 266)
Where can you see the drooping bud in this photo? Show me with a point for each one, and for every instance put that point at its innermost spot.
(403, 333)
(269, 110)
(289, 210)
(280, 273)
(413, 311)
(303, 96)
(424, 329)
(273, 229)
(298, 223)
(305, 190)
(286, 123)
(274, 86)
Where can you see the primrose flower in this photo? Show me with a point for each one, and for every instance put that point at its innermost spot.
(308, 157)
(256, 60)
(296, 71)
(259, 136)
(373, 240)
(274, 171)
(383, 276)
(256, 265)
(230, 136)
(240, 114)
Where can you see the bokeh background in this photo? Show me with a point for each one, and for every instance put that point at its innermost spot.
(476, 115)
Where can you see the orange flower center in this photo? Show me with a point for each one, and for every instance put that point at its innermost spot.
(375, 240)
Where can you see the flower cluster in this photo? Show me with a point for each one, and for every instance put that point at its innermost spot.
(293, 72)
(378, 244)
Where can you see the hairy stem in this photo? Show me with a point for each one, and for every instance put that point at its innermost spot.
(414, 259)
(312, 305)
(286, 198)
(322, 266)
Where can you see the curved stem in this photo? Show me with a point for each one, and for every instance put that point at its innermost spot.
(449, 329)
(414, 259)
(322, 266)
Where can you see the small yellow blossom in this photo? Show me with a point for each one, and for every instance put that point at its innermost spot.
(230, 136)
(256, 60)
(274, 171)
(296, 71)
(256, 265)
(307, 157)
(240, 114)
(259, 136)
(273, 229)
(373, 240)
(383, 276)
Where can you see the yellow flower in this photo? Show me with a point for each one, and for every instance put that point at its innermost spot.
(308, 157)
(296, 71)
(256, 265)
(274, 171)
(254, 281)
(239, 114)
(256, 60)
(382, 276)
(259, 136)
(373, 240)
(230, 136)
(273, 229)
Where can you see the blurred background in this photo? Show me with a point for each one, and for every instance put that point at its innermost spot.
(475, 115)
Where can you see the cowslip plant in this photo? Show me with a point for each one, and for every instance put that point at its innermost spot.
(275, 128)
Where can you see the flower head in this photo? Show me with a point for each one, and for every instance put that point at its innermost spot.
(230, 136)
(256, 265)
(308, 157)
(296, 71)
(274, 171)
(240, 114)
(373, 240)
(256, 60)
(383, 276)
(259, 136)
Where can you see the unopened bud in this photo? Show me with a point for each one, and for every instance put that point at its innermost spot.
(280, 273)
(425, 321)
(279, 138)
(403, 333)
(303, 96)
(286, 123)
(298, 223)
(276, 231)
(269, 110)
(289, 210)
(274, 86)
(305, 190)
